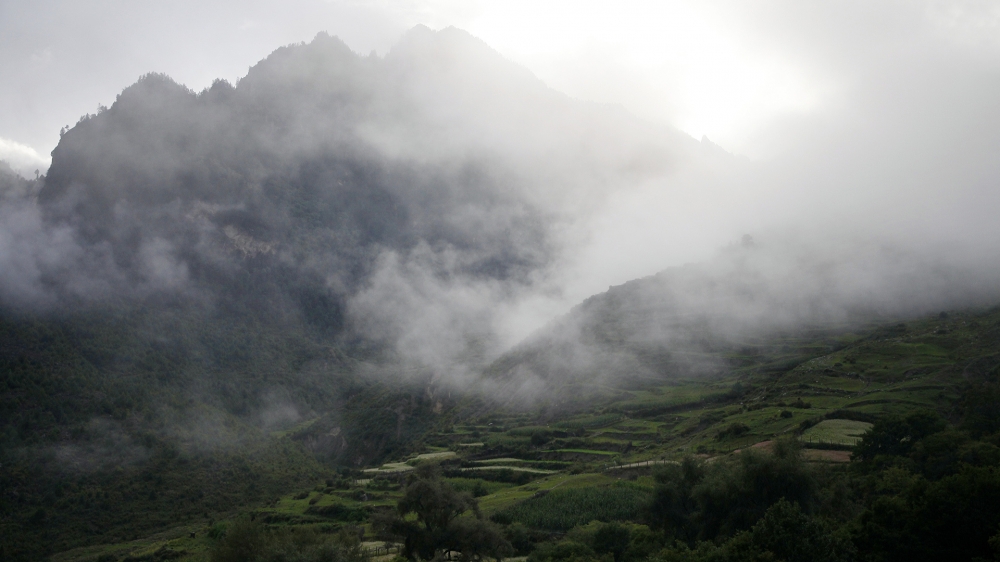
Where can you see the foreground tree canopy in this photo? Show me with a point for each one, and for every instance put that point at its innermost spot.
(429, 519)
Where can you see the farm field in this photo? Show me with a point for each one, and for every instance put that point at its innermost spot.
(836, 431)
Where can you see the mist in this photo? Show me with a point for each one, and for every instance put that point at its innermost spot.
(442, 202)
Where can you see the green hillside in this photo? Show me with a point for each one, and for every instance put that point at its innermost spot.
(928, 385)
(115, 425)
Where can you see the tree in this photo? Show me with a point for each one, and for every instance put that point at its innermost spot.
(981, 409)
(612, 538)
(672, 505)
(734, 494)
(896, 436)
(954, 518)
(785, 533)
(430, 518)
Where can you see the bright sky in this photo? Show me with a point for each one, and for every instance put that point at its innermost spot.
(706, 67)
(721, 68)
(727, 69)
(678, 62)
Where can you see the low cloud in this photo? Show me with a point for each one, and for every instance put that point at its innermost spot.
(23, 158)
(680, 322)
(104, 446)
(440, 203)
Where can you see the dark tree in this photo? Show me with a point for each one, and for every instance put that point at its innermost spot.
(785, 533)
(613, 539)
(442, 523)
(896, 436)
(672, 504)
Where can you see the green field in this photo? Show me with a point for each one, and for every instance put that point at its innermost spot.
(561, 510)
(837, 432)
(511, 468)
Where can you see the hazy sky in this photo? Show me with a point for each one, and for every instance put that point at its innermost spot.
(877, 119)
(731, 70)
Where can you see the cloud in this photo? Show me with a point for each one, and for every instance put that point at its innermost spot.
(28, 250)
(690, 321)
(437, 319)
(445, 202)
(105, 445)
(23, 158)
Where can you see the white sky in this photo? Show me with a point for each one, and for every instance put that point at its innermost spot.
(726, 69)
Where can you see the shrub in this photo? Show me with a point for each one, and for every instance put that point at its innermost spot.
(569, 551)
(339, 512)
(249, 541)
(612, 539)
(519, 537)
(735, 429)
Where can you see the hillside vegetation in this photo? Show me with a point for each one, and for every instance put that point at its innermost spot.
(757, 459)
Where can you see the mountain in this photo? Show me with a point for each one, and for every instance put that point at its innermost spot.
(702, 320)
(215, 299)
(319, 162)
(321, 207)
(212, 297)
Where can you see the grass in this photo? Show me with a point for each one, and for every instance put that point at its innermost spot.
(472, 484)
(504, 440)
(590, 422)
(513, 469)
(438, 456)
(840, 432)
(510, 496)
(390, 467)
(177, 539)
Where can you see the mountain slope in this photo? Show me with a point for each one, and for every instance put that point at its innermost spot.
(701, 320)
(210, 282)
(320, 161)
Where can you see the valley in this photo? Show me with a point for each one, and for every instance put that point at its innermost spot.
(554, 471)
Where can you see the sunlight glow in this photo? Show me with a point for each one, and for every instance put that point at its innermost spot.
(677, 62)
